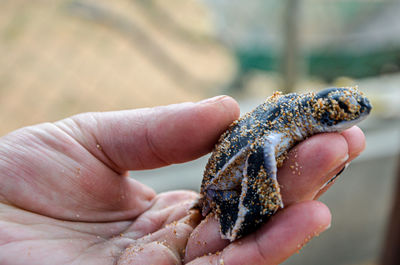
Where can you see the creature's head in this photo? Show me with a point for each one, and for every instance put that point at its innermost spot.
(340, 108)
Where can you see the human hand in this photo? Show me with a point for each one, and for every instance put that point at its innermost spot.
(65, 197)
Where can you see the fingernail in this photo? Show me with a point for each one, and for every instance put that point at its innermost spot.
(339, 162)
(212, 100)
(340, 172)
(329, 226)
(335, 177)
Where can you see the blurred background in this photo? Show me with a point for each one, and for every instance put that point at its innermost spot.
(59, 58)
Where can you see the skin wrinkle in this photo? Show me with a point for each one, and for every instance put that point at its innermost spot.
(77, 142)
(151, 218)
(12, 165)
(47, 239)
(141, 120)
(150, 222)
(156, 247)
(58, 223)
(259, 247)
(170, 233)
(109, 161)
(167, 221)
(185, 122)
(10, 169)
(148, 129)
(75, 121)
(3, 188)
(171, 230)
(98, 149)
(184, 229)
(88, 192)
(87, 250)
(96, 243)
(152, 148)
(175, 256)
(83, 252)
(21, 197)
(3, 200)
(39, 226)
(95, 197)
(116, 254)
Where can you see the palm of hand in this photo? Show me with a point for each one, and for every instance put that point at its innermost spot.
(65, 197)
(77, 209)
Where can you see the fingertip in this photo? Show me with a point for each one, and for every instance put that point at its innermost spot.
(201, 126)
(191, 130)
(355, 140)
(224, 102)
(321, 216)
(229, 106)
(219, 111)
(206, 238)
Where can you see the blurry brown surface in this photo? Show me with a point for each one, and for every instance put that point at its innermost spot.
(60, 58)
(391, 247)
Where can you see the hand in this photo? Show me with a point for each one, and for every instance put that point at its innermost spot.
(65, 197)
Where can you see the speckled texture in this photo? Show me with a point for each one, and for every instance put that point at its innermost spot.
(239, 183)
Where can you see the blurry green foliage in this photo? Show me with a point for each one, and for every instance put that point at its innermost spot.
(327, 65)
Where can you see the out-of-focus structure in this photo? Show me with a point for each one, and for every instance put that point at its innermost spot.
(59, 58)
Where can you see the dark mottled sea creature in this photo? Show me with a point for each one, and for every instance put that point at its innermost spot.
(240, 184)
